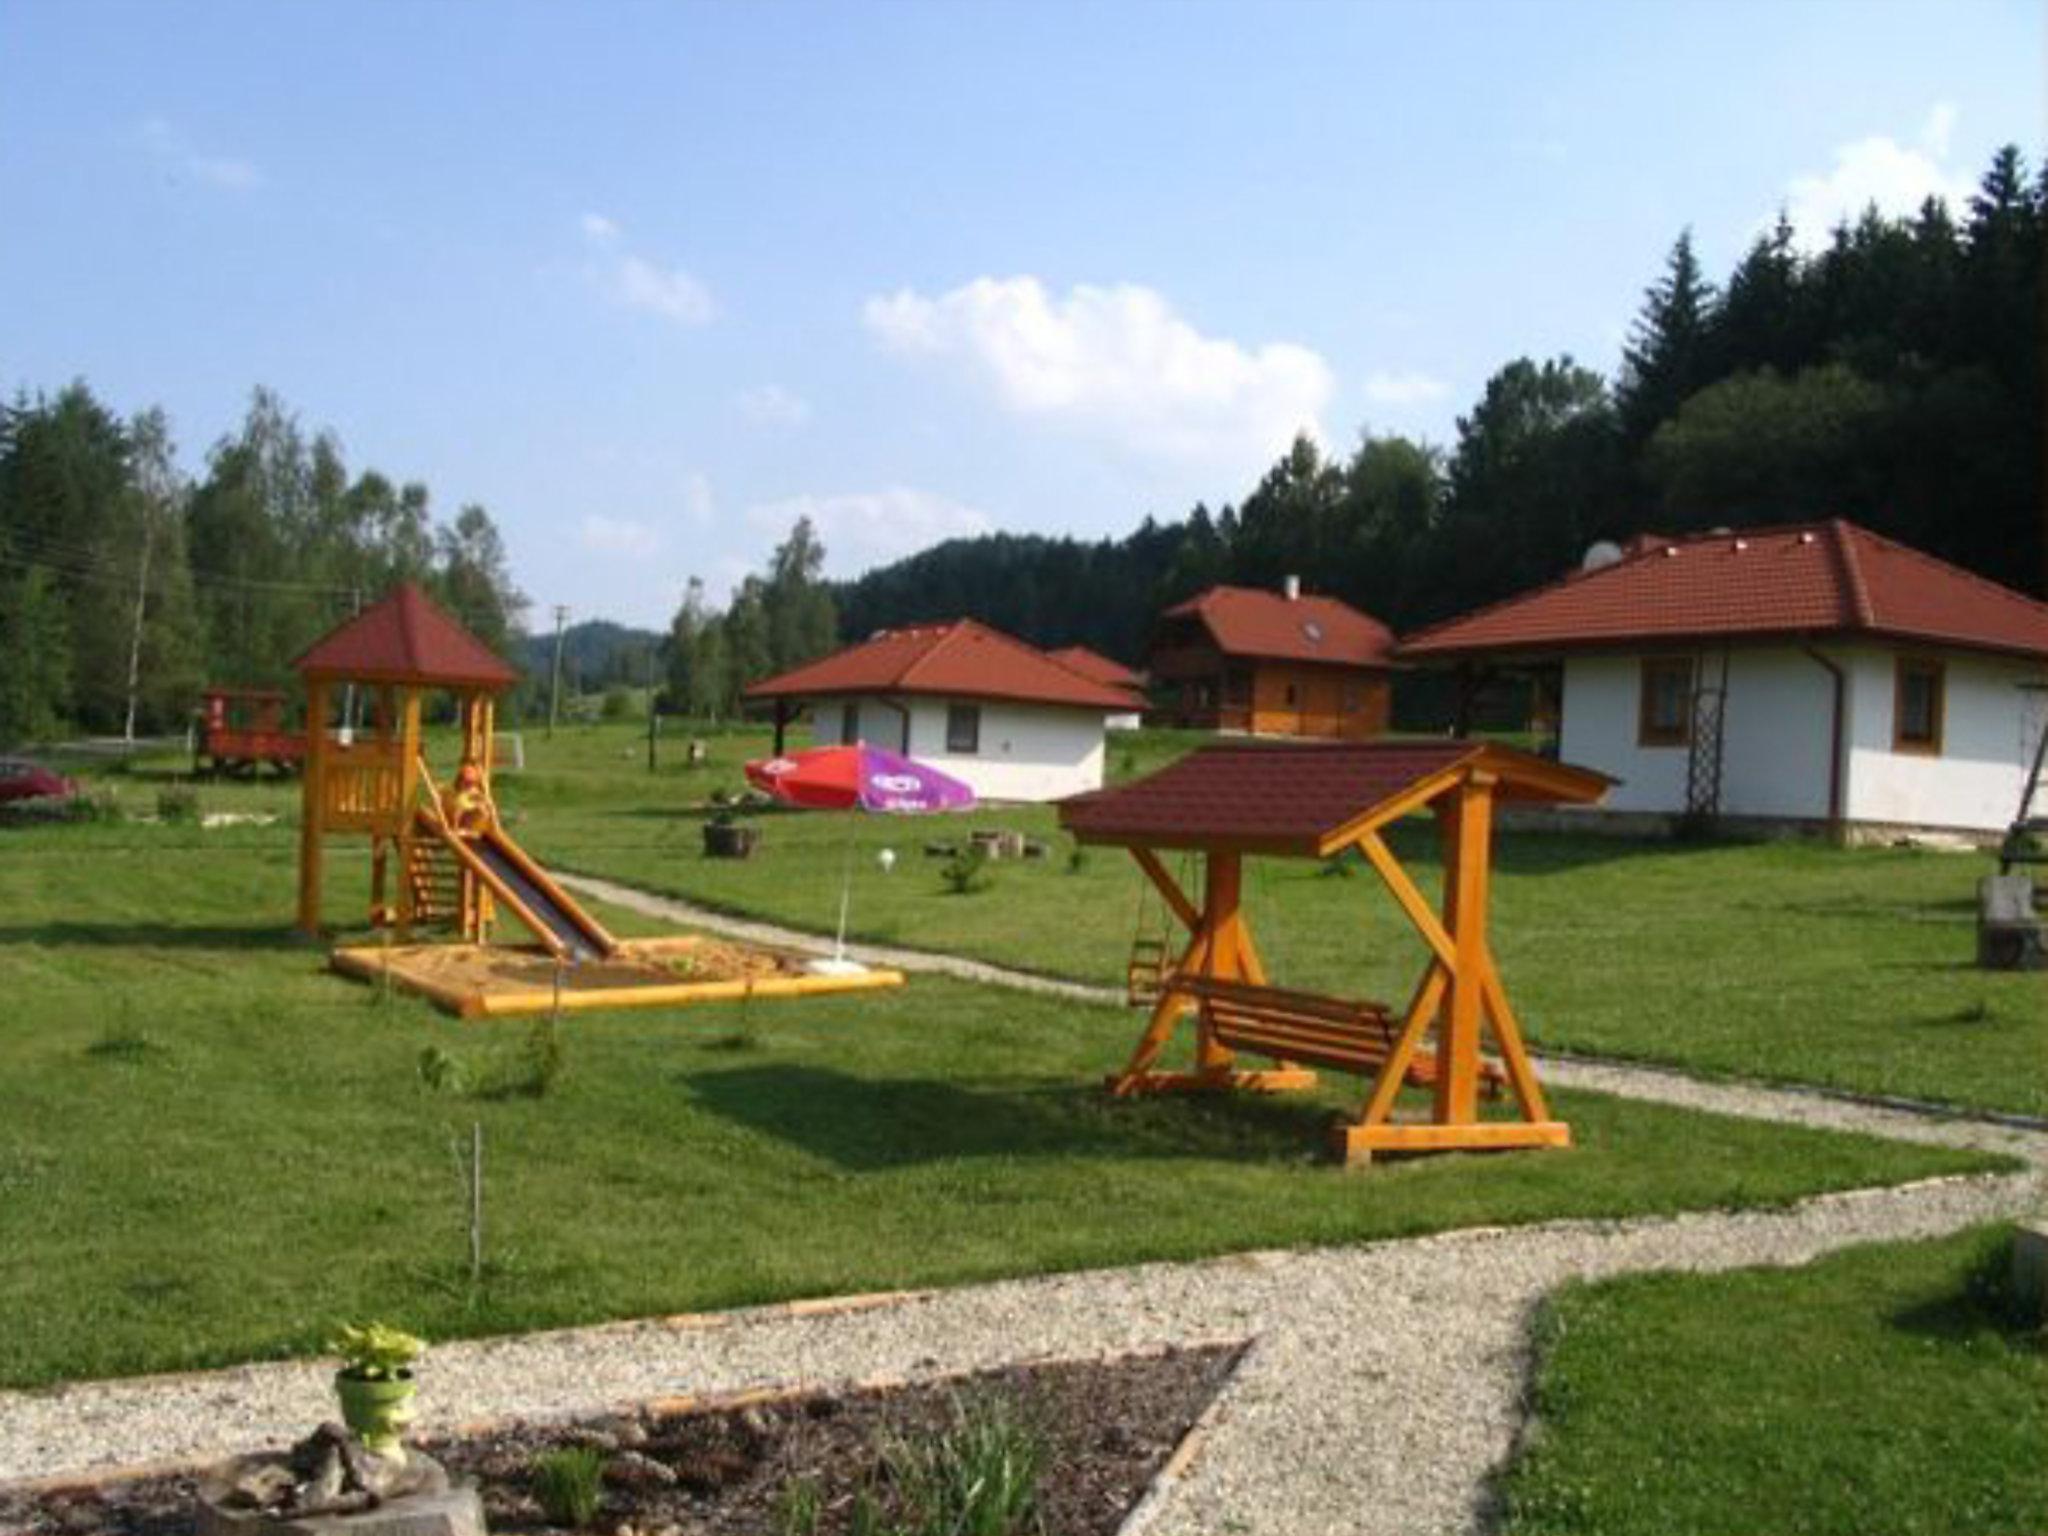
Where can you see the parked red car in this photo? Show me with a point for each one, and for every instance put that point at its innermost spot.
(21, 779)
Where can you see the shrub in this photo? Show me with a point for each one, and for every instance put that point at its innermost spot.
(967, 871)
(442, 1072)
(978, 1478)
(178, 805)
(618, 703)
(569, 1482)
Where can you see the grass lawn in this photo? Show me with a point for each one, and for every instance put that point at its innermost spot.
(1882, 1389)
(1850, 968)
(211, 1149)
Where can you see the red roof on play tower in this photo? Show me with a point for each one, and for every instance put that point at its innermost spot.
(406, 638)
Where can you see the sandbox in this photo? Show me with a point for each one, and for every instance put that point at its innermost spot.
(492, 980)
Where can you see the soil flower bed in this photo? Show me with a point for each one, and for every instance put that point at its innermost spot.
(810, 1464)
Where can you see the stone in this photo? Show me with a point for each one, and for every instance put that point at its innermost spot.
(455, 1511)
(328, 1485)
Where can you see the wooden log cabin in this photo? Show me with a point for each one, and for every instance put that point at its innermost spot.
(1271, 663)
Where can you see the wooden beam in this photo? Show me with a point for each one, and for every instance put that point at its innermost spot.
(1457, 1079)
(1514, 1057)
(1222, 893)
(1394, 807)
(1411, 901)
(1422, 1010)
(1176, 899)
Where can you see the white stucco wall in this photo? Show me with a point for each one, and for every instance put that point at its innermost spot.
(1598, 730)
(1027, 752)
(1777, 733)
(1989, 726)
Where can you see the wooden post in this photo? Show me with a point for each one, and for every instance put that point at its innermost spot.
(1222, 895)
(408, 789)
(312, 803)
(1470, 825)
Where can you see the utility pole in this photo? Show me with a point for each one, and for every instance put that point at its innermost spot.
(348, 698)
(555, 687)
(135, 634)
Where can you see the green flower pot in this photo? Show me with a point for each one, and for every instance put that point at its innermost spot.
(377, 1411)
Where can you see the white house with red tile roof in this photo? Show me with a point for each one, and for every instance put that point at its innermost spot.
(1007, 718)
(1815, 673)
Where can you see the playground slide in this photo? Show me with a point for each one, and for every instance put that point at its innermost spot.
(525, 890)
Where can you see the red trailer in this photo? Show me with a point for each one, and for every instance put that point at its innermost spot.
(241, 729)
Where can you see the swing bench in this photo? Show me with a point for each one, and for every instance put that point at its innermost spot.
(1227, 802)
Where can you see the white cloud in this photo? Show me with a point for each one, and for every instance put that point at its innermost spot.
(631, 279)
(1399, 389)
(618, 536)
(1116, 364)
(770, 405)
(865, 528)
(1878, 170)
(179, 154)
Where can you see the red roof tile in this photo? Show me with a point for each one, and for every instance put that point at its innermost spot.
(1096, 666)
(1249, 621)
(406, 638)
(961, 660)
(1811, 579)
(1293, 798)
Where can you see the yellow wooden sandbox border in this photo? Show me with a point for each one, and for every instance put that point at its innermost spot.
(412, 968)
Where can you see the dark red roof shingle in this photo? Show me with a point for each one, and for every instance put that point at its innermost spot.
(1291, 798)
(962, 660)
(1249, 621)
(406, 638)
(1802, 580)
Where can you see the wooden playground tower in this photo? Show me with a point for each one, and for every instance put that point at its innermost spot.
(440, 856)
(1226, 802)
(435, 857)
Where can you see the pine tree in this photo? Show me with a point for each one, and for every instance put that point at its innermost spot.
(1668, 355)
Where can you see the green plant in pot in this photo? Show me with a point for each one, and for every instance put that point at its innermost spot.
(375, 1384)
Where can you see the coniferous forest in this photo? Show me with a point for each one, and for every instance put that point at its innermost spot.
(1893, 377)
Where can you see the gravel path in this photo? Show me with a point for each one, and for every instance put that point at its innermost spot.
(1383, 1386)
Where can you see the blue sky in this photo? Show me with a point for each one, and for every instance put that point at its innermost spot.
(650, 280)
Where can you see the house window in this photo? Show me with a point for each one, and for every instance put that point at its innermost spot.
(849, 725)
(1292, 697)
(1665, 717)
(963, 729)
(1353, 697)
(1916, 706)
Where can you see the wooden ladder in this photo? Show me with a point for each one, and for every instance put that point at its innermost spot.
(436, 881)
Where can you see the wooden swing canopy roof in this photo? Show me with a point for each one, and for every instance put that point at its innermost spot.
(1310, 801)
(408, 639)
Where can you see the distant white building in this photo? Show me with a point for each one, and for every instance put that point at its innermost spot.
(1006, 718)
(1815, 674)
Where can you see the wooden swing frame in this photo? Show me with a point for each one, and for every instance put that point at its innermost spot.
(1459, 996)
